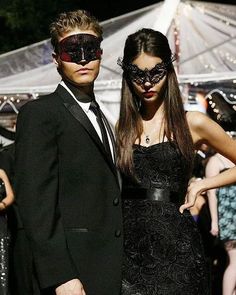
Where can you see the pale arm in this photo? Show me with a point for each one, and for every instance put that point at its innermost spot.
(212, 169)
(205, 130)
(8, 200)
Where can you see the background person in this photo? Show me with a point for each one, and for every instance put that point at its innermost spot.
(222, 204)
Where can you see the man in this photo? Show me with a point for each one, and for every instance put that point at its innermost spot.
(69, 239)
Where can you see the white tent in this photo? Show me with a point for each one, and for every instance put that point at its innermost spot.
(201, 34)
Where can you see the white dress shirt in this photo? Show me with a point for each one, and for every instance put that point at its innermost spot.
(92, 117)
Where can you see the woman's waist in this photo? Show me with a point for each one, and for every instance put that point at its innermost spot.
(154, 194)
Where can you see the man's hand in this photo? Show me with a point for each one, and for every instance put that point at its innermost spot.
(72, 287)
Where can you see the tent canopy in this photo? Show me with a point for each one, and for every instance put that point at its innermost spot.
(201, 34)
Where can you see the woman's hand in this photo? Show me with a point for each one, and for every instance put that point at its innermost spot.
(3, 206)
(195, 188)
(214, 229)
(72, 287)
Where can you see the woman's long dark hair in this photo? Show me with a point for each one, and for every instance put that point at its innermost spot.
(130, 127)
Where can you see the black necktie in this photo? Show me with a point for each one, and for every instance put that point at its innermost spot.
(94, 107)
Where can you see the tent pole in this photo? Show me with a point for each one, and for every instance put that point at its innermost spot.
(166, 16)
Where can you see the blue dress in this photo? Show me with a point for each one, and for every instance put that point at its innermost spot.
(163, 252)
(226, 197)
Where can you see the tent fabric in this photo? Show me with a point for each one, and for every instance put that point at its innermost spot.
(201, 34)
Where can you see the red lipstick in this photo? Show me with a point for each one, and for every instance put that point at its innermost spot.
(149, 94)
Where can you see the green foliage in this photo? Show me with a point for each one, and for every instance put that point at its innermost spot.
(24, 22)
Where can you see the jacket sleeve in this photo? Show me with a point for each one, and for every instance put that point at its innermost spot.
(37, 194)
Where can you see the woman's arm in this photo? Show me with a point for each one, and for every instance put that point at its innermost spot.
(205, 130)
(8, 200)
(212, 169)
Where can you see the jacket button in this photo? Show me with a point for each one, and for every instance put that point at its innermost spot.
(116, 202)
(117, 233)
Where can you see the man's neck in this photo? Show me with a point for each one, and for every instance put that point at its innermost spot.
(84, 92)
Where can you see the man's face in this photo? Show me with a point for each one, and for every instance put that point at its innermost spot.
(80, 72)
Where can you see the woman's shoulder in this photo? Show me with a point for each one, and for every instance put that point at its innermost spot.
(196, 119)
(204, 129)
(226, 163)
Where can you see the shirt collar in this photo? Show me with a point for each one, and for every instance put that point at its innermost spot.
(84, 105)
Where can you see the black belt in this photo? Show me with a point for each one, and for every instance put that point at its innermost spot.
(154, 194)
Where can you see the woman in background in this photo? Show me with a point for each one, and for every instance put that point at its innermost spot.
(222, 204)
(6, 199)
(163, 252)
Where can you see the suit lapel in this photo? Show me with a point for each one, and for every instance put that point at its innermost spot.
(77, 112)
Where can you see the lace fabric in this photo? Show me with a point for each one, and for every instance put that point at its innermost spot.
(161, 166)
(4, 252)
(78, 47)
(163, 252)
(152, 76)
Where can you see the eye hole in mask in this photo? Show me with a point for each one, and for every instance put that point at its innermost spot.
(80, 47)
(152, 76)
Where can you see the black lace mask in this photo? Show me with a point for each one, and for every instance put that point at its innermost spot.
(80, 47)
(140, 77)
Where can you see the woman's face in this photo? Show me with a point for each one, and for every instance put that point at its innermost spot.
(148, 82)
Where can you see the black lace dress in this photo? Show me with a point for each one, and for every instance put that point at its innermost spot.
(163, 253)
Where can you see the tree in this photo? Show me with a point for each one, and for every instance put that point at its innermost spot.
(24, 22)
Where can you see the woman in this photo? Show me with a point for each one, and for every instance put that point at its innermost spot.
(222, 204)
(156, 141)
(6, 199)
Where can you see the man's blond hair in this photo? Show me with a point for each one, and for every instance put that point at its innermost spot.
(68, 21)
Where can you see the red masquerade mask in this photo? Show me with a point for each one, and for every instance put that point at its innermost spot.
(80, 47)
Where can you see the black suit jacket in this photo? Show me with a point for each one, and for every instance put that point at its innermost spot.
(67, 200)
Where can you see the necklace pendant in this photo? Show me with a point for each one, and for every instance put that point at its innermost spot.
(147, 139)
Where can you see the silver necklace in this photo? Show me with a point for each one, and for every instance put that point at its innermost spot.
(147, 139)
(148, 136)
